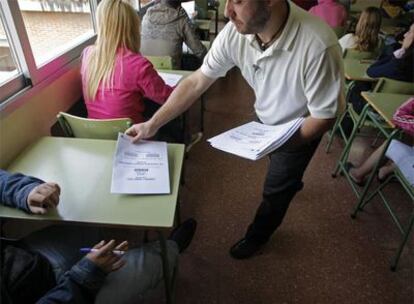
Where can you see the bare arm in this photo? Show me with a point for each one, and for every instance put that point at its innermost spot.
(186, 93)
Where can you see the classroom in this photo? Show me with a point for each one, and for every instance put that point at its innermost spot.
(207, 151)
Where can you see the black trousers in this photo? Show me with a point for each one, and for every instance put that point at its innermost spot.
(283, 180)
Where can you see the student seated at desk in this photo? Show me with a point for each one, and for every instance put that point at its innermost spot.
(366, 37)
(398, 65)
(165, 27)
(115, 76)
(48, 267)
(331, 12)
(404, 119)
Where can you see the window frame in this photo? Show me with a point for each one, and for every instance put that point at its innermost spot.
(31, 75)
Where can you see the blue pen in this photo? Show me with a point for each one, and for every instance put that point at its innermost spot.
(87, 250)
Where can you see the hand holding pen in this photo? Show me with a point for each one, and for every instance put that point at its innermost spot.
(107, 256)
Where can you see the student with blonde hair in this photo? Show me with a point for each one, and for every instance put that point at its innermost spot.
(366, 37)
(115, 76)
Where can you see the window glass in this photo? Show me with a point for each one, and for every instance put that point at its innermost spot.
(54, 26)
(8, 66)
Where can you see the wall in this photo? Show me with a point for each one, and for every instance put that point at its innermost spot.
(31, 115)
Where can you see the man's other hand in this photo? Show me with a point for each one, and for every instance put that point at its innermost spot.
(43, 197)
(140, 131)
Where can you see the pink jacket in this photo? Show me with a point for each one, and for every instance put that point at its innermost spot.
(404, 117)
(332, 12)
(134, 79)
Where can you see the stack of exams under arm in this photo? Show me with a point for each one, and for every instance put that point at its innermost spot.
(254, 140)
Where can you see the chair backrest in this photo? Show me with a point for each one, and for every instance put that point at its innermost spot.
(355, 54)
(161, 62)
(387, 85)
(74, 126)
(339, 31)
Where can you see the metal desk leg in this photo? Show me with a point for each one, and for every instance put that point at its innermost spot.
(345, 152)
(168, 283)
(362, 196)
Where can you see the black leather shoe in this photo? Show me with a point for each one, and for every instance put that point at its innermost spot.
(183, 234)
(244, 249)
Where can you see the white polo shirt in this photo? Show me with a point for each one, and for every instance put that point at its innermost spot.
(300, 74)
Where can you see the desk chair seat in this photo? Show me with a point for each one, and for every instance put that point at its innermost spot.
(74, 126)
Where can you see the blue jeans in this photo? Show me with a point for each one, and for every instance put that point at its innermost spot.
(140, 277)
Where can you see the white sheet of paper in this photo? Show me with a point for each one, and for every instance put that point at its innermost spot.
(140, 168)
(170, 78)
(189, 7)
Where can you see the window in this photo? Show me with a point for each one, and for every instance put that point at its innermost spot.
(39, 38)
(8, 64)
(53, 27)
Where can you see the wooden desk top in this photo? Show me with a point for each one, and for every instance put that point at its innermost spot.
(356, 69)
(385, 103)
(83, 169)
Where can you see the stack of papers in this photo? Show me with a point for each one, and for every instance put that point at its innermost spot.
(170, 78)
(140, 168)
(254, 140)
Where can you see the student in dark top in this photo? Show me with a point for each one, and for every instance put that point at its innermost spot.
(47, 267)
(398, 65)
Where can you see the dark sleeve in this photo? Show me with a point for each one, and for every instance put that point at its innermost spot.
(78, 285)
(15, 188)
(391, 67)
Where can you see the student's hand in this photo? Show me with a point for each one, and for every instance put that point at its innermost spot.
(43, 197)
(140, 131)
(105, 259)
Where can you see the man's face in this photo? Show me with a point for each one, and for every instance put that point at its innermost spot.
(249, 16)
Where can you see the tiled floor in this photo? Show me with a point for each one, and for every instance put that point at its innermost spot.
(319, 254)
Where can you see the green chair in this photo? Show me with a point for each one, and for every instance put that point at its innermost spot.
(161, 62)
(74, 126)
(384, 85)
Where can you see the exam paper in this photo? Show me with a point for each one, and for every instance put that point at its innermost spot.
(170, 78)
(254, 140)
(140, 168)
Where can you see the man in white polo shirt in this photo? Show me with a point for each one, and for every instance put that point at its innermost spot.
(292, 60)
